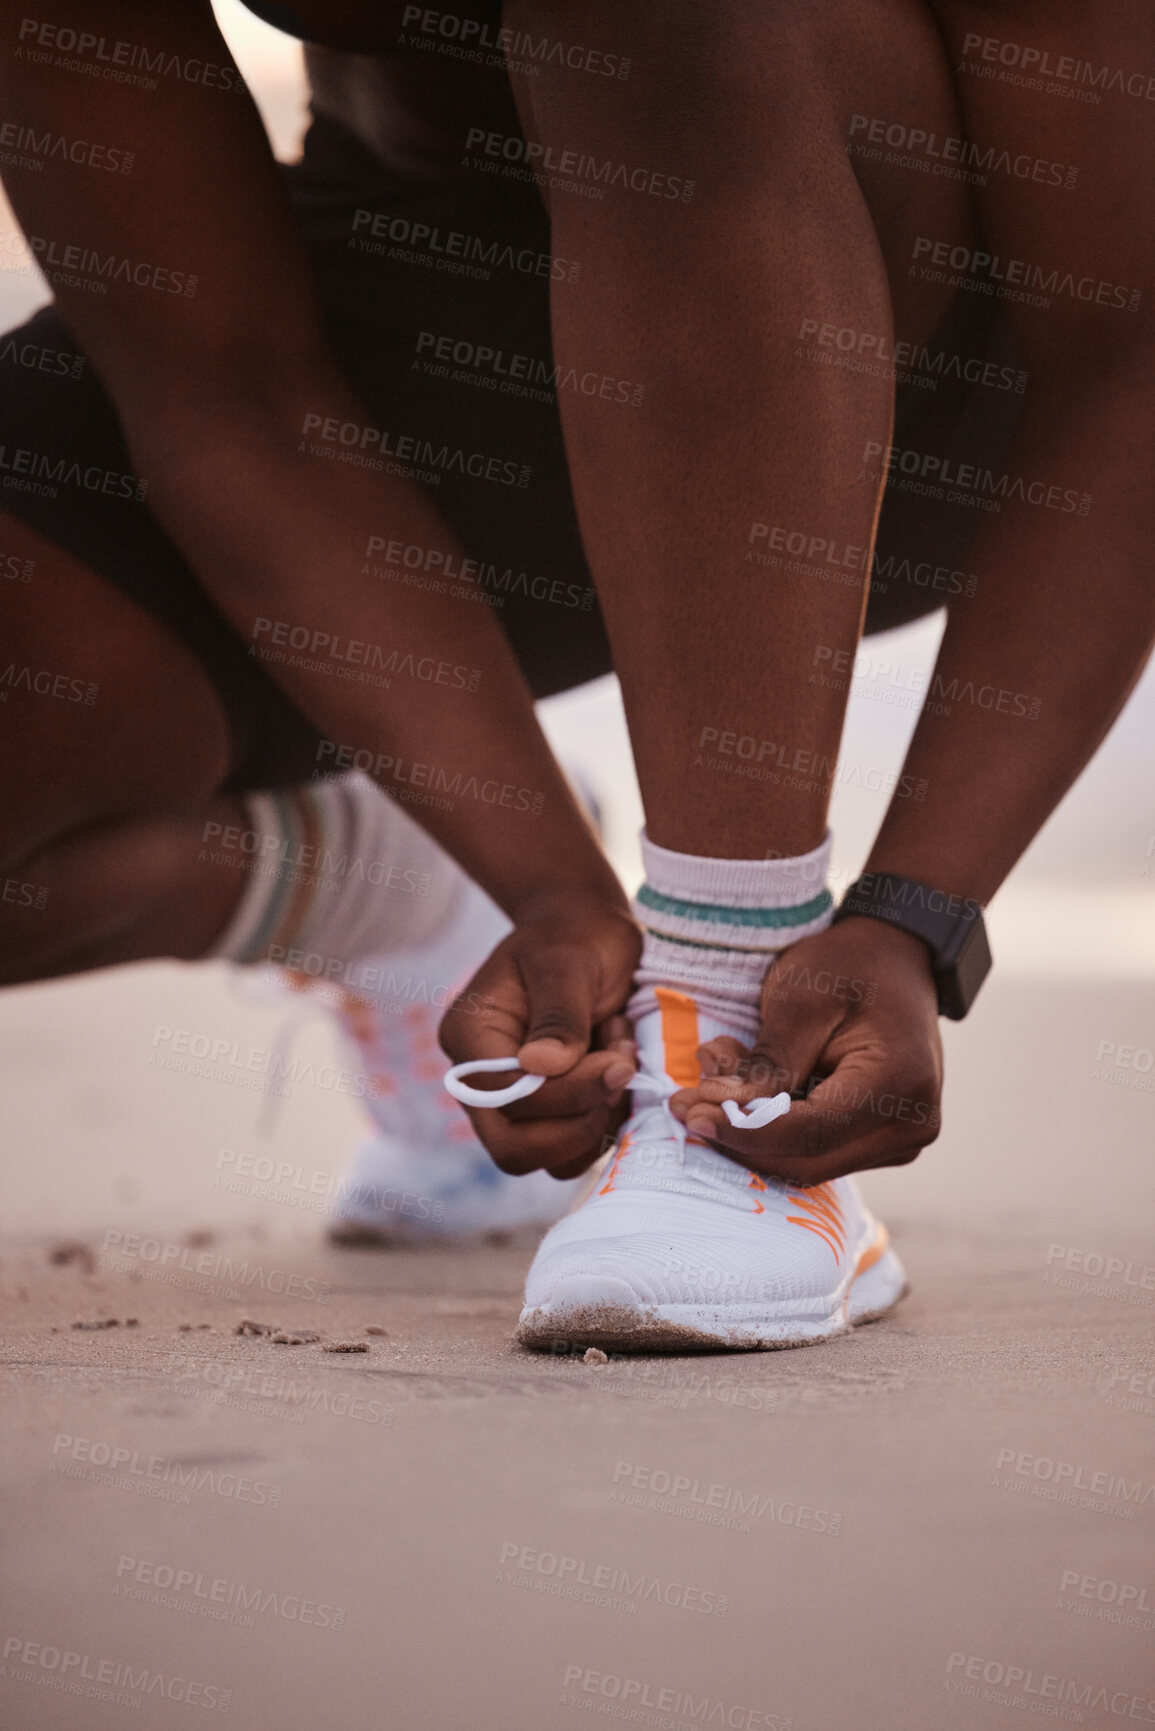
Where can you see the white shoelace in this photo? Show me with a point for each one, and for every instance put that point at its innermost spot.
(753, 1117)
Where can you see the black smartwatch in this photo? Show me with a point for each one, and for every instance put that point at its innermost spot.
(951, 928)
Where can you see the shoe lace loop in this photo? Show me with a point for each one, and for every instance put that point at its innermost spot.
(662, 1090)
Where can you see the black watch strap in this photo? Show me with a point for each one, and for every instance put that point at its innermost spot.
(951, 927)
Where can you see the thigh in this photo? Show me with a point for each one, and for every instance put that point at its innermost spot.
(1058, 95)
(67, 477)
(437, 304)
(104, 712)
(961, 403)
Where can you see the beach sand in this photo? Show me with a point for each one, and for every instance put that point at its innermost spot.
(446, 1530)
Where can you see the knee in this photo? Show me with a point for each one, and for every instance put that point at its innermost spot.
(696, 75)
(79, 752)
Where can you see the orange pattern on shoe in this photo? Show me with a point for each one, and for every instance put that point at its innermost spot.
(622, 1150)
(823, 1216)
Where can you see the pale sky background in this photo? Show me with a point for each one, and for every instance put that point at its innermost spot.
(1081, 902)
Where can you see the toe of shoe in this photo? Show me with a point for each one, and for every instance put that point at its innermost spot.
(761, 1262)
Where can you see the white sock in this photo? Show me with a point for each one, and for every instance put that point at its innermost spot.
(712, 927)
(337, 871)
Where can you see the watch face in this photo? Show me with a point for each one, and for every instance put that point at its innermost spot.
(973, 963)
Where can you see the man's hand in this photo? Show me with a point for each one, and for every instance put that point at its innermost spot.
(553, 994)
(856, 1006)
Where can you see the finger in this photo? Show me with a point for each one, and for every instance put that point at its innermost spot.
(696, 1106)
(721, 1056)
(484, 1020)
(567, 1145)
(790, 1044)
(560, 989)
(856, 1119)
(792, 1038)
(597, 1079)
(616, 1033)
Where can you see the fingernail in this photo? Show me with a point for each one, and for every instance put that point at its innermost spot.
(618, 1075)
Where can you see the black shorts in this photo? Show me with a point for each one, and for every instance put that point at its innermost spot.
(414, 279)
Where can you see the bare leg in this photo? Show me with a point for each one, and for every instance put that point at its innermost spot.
(1064, 615)
(104, 802)
(703, 303)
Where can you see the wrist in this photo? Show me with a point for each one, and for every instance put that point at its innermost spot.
(895, 946)
(554, 896)
(923, 859)
(949, 926)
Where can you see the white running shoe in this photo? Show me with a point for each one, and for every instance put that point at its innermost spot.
(424, 1174)
(679, 1248)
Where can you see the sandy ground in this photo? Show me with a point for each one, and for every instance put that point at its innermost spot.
(444, 1530)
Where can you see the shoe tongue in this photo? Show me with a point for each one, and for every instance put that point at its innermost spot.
(669, 1036)
(655, 1155)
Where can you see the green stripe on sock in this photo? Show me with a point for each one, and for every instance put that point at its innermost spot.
(766, 919)
(280, 890)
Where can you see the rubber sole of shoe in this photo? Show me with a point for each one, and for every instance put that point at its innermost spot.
(597, 1315)
(364, 1235)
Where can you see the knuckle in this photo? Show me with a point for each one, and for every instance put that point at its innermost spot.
(449, 1037)
(723, 1053)
(555, 1024)
(930, 1133)
(505, 1148)
(513, 1165)
(805, 1178)
(768, 1065)
(927, 1087)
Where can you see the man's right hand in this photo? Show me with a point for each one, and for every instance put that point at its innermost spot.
(553, 995)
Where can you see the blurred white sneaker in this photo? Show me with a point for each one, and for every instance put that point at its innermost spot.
(679, 1248)
(424, 1174)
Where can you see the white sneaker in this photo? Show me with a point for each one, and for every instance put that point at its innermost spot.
(425, 1175)
(393, 1195)
(679, 1248)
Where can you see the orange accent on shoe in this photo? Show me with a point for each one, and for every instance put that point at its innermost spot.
(823, 1207)
(866, 1260)
(680, 1036)
(822, 1217)
(872, 1254)
(798, 1220)
(623, 1148)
